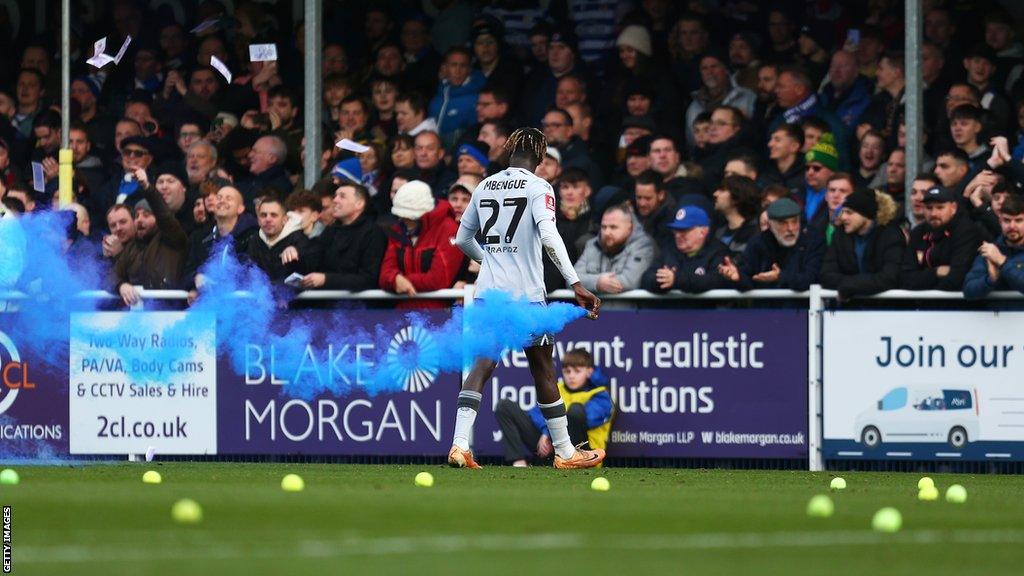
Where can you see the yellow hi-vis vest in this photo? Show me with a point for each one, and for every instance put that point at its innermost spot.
(597, 437)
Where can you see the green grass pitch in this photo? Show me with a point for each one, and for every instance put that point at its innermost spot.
(102, 520)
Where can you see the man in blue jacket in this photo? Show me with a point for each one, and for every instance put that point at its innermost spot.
(1000, 265)
(454, 105)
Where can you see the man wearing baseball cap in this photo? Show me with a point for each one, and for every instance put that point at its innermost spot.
(943, 247)
(865, 255)
(691, 262)
(781, 257)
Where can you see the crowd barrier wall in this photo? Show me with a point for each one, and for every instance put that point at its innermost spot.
(799, 380)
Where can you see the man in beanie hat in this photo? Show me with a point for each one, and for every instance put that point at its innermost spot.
(471, 158)
(821, 162)
(172, 184)
(637, 38)
(691, 262)
(780, 257)
(865, 255)
(943, 247)
(347, 171)
(156, 258)
(421, 255)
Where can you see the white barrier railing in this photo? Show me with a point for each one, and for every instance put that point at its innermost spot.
(458, 293)
(815, 297)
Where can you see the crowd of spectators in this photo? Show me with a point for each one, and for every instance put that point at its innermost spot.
(692, 145)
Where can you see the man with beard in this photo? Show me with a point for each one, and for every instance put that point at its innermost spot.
(653, 208)
(156, 258)
(780, 257)
(1000, 264)
(615, 260)
(942, 249)
(865, 254)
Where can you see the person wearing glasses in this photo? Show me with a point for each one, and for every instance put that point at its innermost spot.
(136, 154)
(822, 161)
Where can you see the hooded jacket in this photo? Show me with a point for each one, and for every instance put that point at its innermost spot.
(628, 265)
(267, 255)
(454, 107)
(954, 245)
(432, 263)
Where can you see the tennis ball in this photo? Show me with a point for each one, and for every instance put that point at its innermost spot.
(292, 483)
(925, 481)
(928, 494)
(887, 520)
(424, 479)
(151, 477)
(956, 494)
(601, 484)
(187, 511)
(838, 484)
(9, 476)
(820, 506)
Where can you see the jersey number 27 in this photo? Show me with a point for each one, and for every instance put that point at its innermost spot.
(517, 216)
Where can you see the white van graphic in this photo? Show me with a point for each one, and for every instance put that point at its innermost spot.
(920, 415)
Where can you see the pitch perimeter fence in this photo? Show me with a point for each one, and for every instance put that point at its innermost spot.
(766, 379)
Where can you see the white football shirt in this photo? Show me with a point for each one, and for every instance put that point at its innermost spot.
(507, 208)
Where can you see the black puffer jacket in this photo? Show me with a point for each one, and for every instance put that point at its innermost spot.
(954, 245)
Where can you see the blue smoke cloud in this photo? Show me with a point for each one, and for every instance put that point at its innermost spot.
(38, 259)
(248, 308)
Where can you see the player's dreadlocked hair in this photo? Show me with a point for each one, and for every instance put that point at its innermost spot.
(527, 141)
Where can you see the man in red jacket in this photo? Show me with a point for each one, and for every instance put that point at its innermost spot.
(421, 254)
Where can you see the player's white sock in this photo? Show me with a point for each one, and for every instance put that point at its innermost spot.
(469, 404)
(558, 427)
